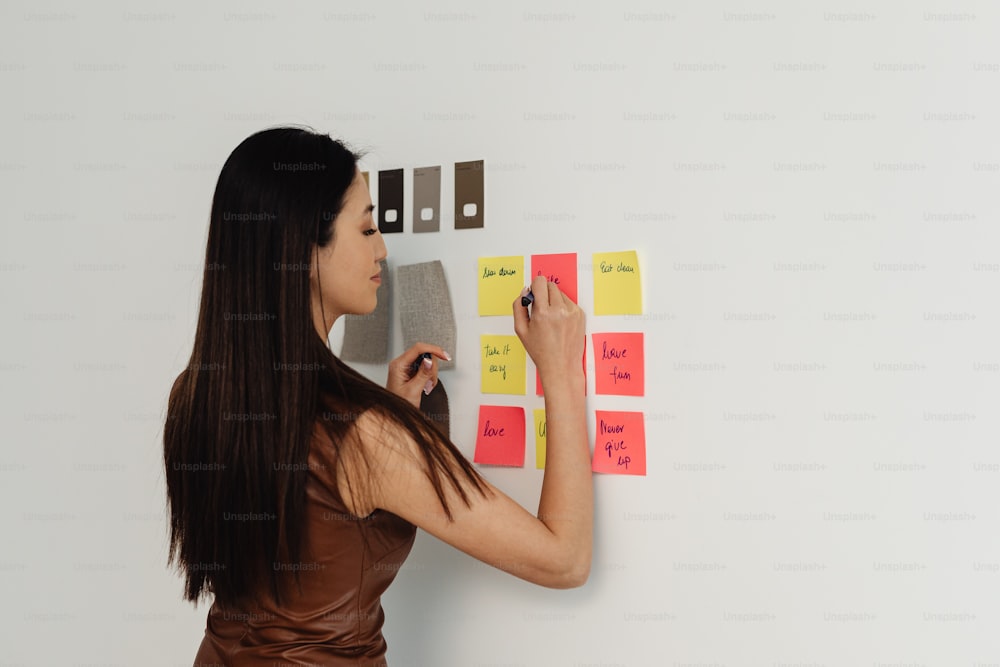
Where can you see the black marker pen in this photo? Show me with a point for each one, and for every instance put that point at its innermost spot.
(415, 366)
(527, 299)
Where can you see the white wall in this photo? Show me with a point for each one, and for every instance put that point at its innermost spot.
(812, 191)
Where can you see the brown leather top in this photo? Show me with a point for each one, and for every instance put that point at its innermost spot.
(337, 620)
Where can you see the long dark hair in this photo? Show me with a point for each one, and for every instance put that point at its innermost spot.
(240, 417)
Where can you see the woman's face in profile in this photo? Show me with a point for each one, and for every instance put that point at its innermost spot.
(346, 272)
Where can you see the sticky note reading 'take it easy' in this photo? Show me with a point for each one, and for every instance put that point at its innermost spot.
(500, 281)
(617, 285)
(503, 362)
(619, 364)
(500, 438)
(620, 444)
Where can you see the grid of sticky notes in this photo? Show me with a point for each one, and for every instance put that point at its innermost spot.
(618, 360)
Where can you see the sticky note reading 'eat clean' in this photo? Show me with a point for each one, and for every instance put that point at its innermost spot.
(503, 363)
(618, 364)
(559, 269)
(620, 443)
(500, 281)
(617, 287)
(540, 430)
(500, 438)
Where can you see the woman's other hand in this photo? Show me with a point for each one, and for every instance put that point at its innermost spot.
(401, 383)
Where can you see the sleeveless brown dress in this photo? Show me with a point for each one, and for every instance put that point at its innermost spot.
(337, 620)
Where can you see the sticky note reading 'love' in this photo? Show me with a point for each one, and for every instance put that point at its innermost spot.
(559, 269)
(500, 438)
(617, 287)
(619, 366)
(503, 363)
(540, 432)
(620, 443)
(500, 281)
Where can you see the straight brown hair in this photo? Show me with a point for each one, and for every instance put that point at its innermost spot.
(240, 416)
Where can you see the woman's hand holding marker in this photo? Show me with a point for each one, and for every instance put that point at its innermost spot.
(553, 331)
(414, 371)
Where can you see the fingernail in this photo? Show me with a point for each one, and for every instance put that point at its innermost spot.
(525, 291)
(428, 363)
(446, 355)
(428, 387)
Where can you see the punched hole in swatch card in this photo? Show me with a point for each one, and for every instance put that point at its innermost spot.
(426, 214)
(469, 210)
(390, 215)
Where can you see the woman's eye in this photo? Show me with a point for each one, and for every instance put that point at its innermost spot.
(369, 232)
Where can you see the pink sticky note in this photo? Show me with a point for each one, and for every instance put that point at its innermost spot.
(619, 367)
(560, 269)
(538, 378)
(620, 444)
(500, 438)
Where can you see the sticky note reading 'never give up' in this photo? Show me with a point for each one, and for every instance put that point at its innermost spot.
(617, 286)
(620, 443)
(500, 281)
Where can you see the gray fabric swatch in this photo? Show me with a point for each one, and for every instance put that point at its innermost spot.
(425, 312)
(366, 337)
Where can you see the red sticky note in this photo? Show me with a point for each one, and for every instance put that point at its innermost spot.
(538, 378)
(620, 444)
(619, 367)
(500, 438)
(560, 269)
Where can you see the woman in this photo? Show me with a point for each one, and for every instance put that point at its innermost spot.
(295, 485)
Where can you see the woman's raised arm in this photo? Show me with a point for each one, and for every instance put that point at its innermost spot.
(553, 549)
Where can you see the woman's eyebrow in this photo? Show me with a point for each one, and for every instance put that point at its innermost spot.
(371, 207)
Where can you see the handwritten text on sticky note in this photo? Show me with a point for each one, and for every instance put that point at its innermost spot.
(559, 269)
(500, 281)
(620, 443)
(500, 436)
(618, 364)
(617, 286)
(540, 433)
(503, 362)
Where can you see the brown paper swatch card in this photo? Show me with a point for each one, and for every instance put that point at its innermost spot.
(469, 194)
(426, 199)
(367, 184)
(390, 201)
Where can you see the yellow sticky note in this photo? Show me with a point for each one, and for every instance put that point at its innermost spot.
(501, 279)
(540, 428)
(617, 287)
(503, 364)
